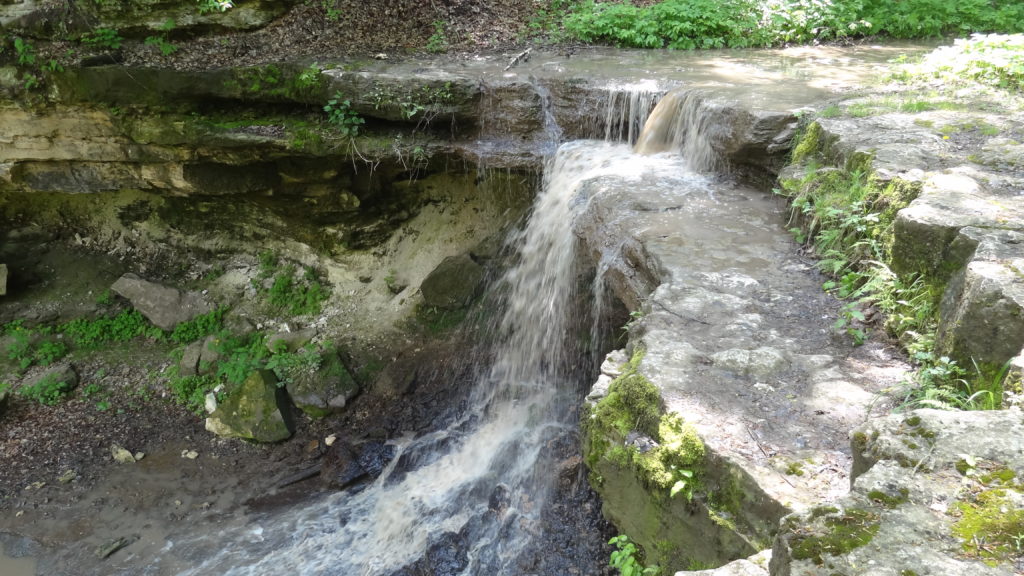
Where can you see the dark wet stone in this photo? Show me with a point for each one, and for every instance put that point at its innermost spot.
(447, 556)
(374, 456)
(341, 466)
(499, 499)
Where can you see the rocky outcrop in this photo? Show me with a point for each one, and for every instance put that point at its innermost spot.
(454, 282)
(756, 565)
(933, 492)
(730, 324)
(326, 390)
(963, 230)
(164, 306)
(137, 17)
(256, 410)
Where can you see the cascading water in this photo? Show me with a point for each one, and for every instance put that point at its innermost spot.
(680, 123)
(480, 486)
(627, 109)
(516, 410)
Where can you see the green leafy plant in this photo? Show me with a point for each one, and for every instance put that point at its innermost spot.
(331, 10)
(199, 327)
(49, 351)
(287, 366)
(160, 41)
(126, 326)
(48, 391)
(626, 558)
(342, 117)
(438, 41)
(191, 391)
(103, 38)
(105, 298)
(25, 52)
(289, 291)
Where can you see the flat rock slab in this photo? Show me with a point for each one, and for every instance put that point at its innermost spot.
(164, 306)
(916, 475)
(737, 333)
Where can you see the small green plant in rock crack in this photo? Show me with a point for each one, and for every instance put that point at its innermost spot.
(625, 558)
(297, 294)
(102, 38)
(160, 41)
(288, 366)
(341, 116)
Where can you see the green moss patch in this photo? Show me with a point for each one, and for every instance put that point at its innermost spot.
(633, 404)
(838, 533)
(991, 526)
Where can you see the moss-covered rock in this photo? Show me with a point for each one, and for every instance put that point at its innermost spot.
(256, 410)
(326, 390)
(652, 472)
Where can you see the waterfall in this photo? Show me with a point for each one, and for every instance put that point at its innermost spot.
(517, 408)
(681, 123)
(499, 449)
(627, 109)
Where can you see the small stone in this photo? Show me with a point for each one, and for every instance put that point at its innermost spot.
(139, 456)
(190, 454)
(211, 402)
(121, 456)
(108, 549)
(68, 476)
(329, 441)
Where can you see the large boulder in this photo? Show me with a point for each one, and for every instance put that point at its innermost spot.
(934, 492)
(164, 306)
(257, 410)
(982, 311)
(324, 391)
(453, 283)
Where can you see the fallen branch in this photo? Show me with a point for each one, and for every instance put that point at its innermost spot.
(521, 57)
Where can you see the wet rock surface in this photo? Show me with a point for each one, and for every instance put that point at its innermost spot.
(453, 283)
